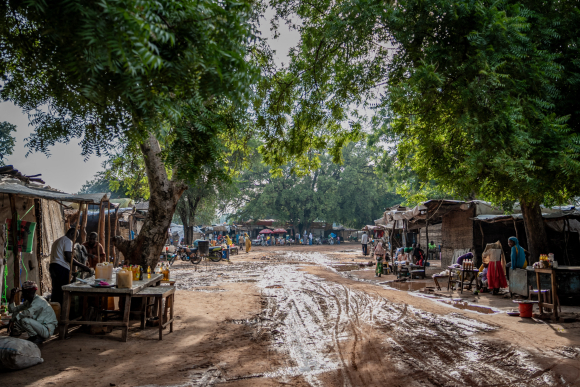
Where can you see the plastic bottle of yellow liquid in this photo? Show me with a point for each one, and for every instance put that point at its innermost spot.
(148, 271)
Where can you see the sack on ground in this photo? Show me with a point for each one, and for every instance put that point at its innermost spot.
(17, 354)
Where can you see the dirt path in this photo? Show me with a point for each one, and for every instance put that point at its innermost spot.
(287, 316)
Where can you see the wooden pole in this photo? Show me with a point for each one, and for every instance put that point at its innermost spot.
(516, 227)
(101, 226)
(99, 223)
(115, 252)
(15, 252)
(108, 231)
(427, 236)
(84, 224)
(72, 256)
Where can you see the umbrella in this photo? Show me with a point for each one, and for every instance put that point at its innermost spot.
(332, 235)
(279, 231)
(266, 231)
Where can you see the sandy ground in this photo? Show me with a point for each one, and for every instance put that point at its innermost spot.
(315, 315)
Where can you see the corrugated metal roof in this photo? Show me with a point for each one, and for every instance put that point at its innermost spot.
(17, 187)
(143, 206)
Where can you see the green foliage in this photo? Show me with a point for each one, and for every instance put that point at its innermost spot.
(479, 97)
(118, 70)
(350, 193)
(6, 140)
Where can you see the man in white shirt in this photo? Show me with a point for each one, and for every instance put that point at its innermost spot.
(310, 237)
(34, 316)
(60, 258)
(364, 241)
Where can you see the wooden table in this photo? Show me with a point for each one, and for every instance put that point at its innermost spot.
(554, 304)
(462, 277)
(83, 290)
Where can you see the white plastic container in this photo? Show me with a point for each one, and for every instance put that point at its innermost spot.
(103, 271)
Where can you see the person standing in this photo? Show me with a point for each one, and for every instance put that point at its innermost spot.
(248, 243)
(95, 250)
(364, 242)
(379, 256)
(518, 255)
(310, 238)
(59, 268)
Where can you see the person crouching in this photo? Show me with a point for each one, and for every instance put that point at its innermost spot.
(34, 316)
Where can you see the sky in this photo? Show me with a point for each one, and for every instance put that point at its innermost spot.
(66, 169)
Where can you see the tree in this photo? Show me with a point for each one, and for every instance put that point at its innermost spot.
(480, 96)
(100, 184)
(350, 193)
(6, 140)
(200, 202)
(146, 74)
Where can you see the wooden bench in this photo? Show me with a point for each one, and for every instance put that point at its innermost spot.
(158, 293)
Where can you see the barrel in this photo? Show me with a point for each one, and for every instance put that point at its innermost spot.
(203, 248)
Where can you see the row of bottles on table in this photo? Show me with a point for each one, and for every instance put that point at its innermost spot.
(137, 272)
(163, 269)
(468, 264)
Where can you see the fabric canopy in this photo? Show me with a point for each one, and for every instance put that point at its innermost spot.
(332, 235)
(279, 231)
(266, 231)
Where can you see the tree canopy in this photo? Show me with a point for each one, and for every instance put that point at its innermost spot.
(350, 193)
(7, 141)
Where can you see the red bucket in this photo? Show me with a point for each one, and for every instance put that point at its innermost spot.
(526, 309)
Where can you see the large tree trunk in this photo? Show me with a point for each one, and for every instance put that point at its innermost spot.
(535, 230)
(146, 249)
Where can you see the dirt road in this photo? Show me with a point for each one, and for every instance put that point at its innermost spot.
(312, 316)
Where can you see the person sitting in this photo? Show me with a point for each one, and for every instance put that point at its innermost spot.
(483, 276)
(35, 316)
(419, 256)
(95, 250)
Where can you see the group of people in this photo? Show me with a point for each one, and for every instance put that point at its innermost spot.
(413, 256)
(493, 270)
(35, 316)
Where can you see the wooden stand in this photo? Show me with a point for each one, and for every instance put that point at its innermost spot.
(462, 281)
(555, 301)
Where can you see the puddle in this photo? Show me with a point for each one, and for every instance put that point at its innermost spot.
(407, 285)
(347, 267)
(249, 321)
(207, 290)
(464, 305)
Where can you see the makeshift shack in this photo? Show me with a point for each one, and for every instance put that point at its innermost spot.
(39, 210)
